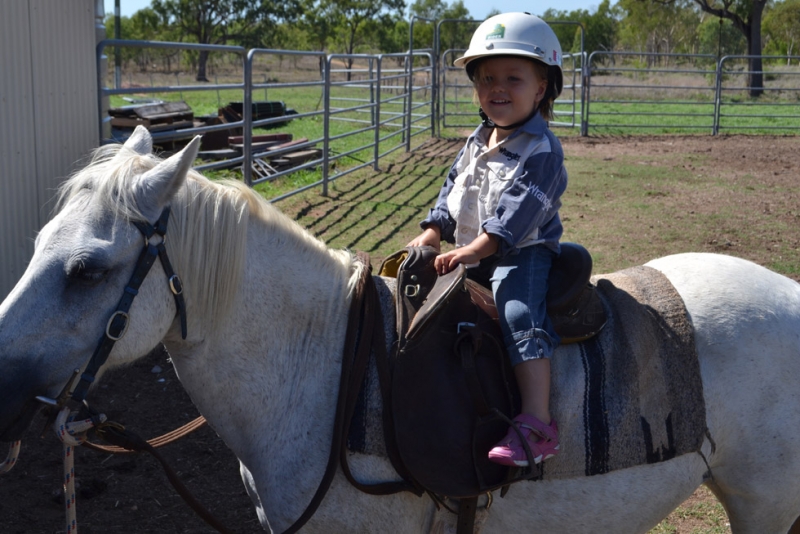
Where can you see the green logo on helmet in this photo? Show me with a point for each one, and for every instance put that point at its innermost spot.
(498, 32)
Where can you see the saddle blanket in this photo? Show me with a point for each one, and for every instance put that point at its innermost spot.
(631, 395)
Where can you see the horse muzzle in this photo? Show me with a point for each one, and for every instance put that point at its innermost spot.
(14, 428)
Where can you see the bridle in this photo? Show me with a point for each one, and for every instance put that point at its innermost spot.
(118, 322)
(117, 325)
(360, 338)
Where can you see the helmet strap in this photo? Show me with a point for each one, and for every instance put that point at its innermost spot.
(489, 123)
(485, 120)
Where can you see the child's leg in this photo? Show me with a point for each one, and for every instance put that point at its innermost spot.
(519, 284)
(533, 379)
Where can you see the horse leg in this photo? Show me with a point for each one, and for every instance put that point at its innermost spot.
(747, 342)
(755, 468)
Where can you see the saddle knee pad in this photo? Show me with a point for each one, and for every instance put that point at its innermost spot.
(453, 394)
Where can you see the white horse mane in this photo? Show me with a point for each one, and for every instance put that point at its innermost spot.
(207, 226)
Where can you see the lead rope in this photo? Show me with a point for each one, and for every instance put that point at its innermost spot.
(11, 458)
(72, 434)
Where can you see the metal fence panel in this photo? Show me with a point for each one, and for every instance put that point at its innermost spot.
(649, 91)
(777, 106)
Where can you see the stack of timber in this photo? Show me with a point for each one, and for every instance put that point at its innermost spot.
(280, 156)
(272, 153)
(155, 117)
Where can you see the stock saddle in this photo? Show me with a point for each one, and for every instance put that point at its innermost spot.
(452, 391)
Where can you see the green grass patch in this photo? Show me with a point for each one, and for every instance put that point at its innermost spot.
(663, 118)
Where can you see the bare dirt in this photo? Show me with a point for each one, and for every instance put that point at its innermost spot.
(130, 494)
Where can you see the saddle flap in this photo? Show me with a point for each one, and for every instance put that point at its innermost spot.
(443, 289)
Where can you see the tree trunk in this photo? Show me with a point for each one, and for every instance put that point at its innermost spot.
(202, 60)
(351, 46)
(755, 63)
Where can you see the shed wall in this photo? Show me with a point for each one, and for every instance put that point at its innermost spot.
(48, 115)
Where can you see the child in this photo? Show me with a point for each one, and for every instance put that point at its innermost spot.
(499, 204)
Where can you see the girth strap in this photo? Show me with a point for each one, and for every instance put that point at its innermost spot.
(370, 338)
(466, 515)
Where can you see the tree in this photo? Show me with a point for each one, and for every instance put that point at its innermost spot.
(453, 35)
(224, 21)
(719, 37)
(349, 17)
(660, 28)
(782, 28)
(600, 28)
(746, 16)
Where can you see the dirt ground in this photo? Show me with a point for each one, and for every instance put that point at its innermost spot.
(130, 494)
(767, 158)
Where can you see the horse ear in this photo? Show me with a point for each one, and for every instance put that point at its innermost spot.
(156, 187)
(140, 141)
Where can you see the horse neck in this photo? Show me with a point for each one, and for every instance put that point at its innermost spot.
(272, 367)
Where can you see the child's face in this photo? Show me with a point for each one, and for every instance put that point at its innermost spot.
(509, 88)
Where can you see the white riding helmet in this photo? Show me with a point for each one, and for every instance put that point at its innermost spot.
(516, 34)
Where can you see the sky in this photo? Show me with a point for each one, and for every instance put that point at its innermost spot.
(477, 8)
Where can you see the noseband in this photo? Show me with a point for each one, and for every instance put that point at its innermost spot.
(118, 322)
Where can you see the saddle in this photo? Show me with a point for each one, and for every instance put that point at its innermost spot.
(453, 393)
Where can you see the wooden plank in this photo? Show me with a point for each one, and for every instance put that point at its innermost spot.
(166, 109)
(302, 155)
(277, 137)
(129, 122)
(296, 158)
(289, 144)
(170, 126)
(264, 145)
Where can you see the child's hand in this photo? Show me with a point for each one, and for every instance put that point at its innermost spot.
(482, 246)
(431, 237)
(444, 263)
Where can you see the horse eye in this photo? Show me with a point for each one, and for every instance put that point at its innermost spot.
(84, 273)
(92, 275)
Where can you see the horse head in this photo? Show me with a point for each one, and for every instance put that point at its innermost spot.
(83, 261)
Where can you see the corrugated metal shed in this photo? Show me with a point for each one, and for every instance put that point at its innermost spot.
(48, 115)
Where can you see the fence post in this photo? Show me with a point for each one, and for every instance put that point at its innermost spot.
(377, 112)
(717, 96)
(326, 93)
(586, 71)
(588, 92)
(247, 117)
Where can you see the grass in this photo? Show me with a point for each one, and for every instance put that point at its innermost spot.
(702, 514)
(672, 202)
(656, 118)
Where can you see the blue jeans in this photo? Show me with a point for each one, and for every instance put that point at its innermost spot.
(519, 284)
